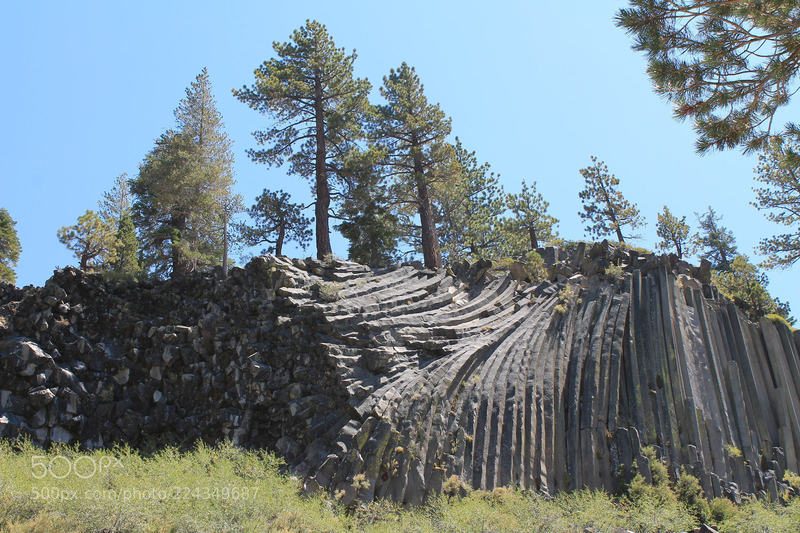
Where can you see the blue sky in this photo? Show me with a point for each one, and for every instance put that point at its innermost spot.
(535, 88)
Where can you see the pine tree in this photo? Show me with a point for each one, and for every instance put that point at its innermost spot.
(470, 208)
(115, 210)
(674, 233)
(276, 221)
(93, 240)
(413, 133)
(9, 247)
(743, 283)
(727, 65)
(181, 187)
(530, 223)
(318, 108)
(368, 220)
(715, 242)
(778, 171)
(605, 210)
(127, 249)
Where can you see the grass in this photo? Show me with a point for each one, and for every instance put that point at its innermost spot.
(778, 318)
(328, 291)
(225, 488)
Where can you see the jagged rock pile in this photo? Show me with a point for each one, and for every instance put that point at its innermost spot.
(406, 376)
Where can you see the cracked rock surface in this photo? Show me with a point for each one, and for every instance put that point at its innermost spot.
(408, 376)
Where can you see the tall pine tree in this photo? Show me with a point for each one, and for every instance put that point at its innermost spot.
(413, 133)
(181, 187)
(317, 107)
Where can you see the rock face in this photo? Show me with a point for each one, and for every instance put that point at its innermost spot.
(409, 376)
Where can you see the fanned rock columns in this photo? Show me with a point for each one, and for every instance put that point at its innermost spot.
(385, 383)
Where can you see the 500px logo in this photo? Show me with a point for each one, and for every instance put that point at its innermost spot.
(59, 466)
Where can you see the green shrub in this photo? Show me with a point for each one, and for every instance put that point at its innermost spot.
(780, 319)
(792, 479)
(721, 509)
(614, 271)
(328, 291)
(658, 469)
(732, 451)
(454, 487)
(690, 494)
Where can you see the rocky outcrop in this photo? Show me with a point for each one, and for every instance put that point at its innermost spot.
(406, 376)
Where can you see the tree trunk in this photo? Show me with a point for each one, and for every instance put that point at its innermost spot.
(430, 241)
(281, 236)
(619, 233)
(178, 222)
(323, 200)
(534, 240)
(84, 260)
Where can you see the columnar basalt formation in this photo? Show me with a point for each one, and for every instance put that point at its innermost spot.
(408, 376)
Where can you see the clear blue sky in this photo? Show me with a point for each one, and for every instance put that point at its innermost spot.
(534, 87)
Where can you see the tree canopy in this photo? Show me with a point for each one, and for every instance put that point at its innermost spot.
(181, 187)
(715, 242)
(470, 209)
(729, 66)
(115, 210)
(9, 247)
(413, 132)
(778, 172)
(276, 220)
(317, 107)
(92, 240)
(743, 283)
(530, 222)
(674, 233)
(605, 210)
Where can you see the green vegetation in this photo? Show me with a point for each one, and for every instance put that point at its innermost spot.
(746, 285)
(412, 131)
(183, 186)
(470, 208)
(714, 241)
(9, 247)
(92, 240)
(328, 291)
(318, 110)
(614, 271)
(733, 451)
(276, 220)
(530, 222)
(605, 210)
(401, 190)
(674, 233)
(792, 479)
(226, 488)
(729, 66)
(778, 173)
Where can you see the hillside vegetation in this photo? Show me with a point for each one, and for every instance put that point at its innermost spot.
(226, 488)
